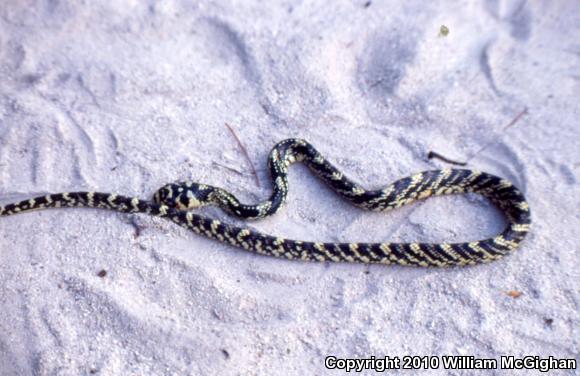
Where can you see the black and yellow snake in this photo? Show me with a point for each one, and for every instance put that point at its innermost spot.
(173, 200)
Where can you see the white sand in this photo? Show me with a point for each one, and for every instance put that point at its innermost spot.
(127, 97)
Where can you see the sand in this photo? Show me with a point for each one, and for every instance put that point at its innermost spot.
(129, 96)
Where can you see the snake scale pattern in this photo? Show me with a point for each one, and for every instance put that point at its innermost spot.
(173, 202)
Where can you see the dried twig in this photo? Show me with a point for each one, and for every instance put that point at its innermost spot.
(235, 170)
(436, 155)
(514, 120)
(245, 153)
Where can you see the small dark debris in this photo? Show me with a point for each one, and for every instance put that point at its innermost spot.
(266, 109)
(443, 31)
(368, 4)
(367, 271)
(92, 371)
(102, 273)
(217, 314)
(226, 353)
(548, 321)
(376, 83)
(137, 228)
(436, 155)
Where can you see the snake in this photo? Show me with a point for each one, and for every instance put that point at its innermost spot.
(176, 201)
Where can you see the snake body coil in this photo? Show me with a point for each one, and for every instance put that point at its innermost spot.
(173, 200)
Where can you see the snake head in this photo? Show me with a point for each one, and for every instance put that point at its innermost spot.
(183, 195)
(164, 196)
